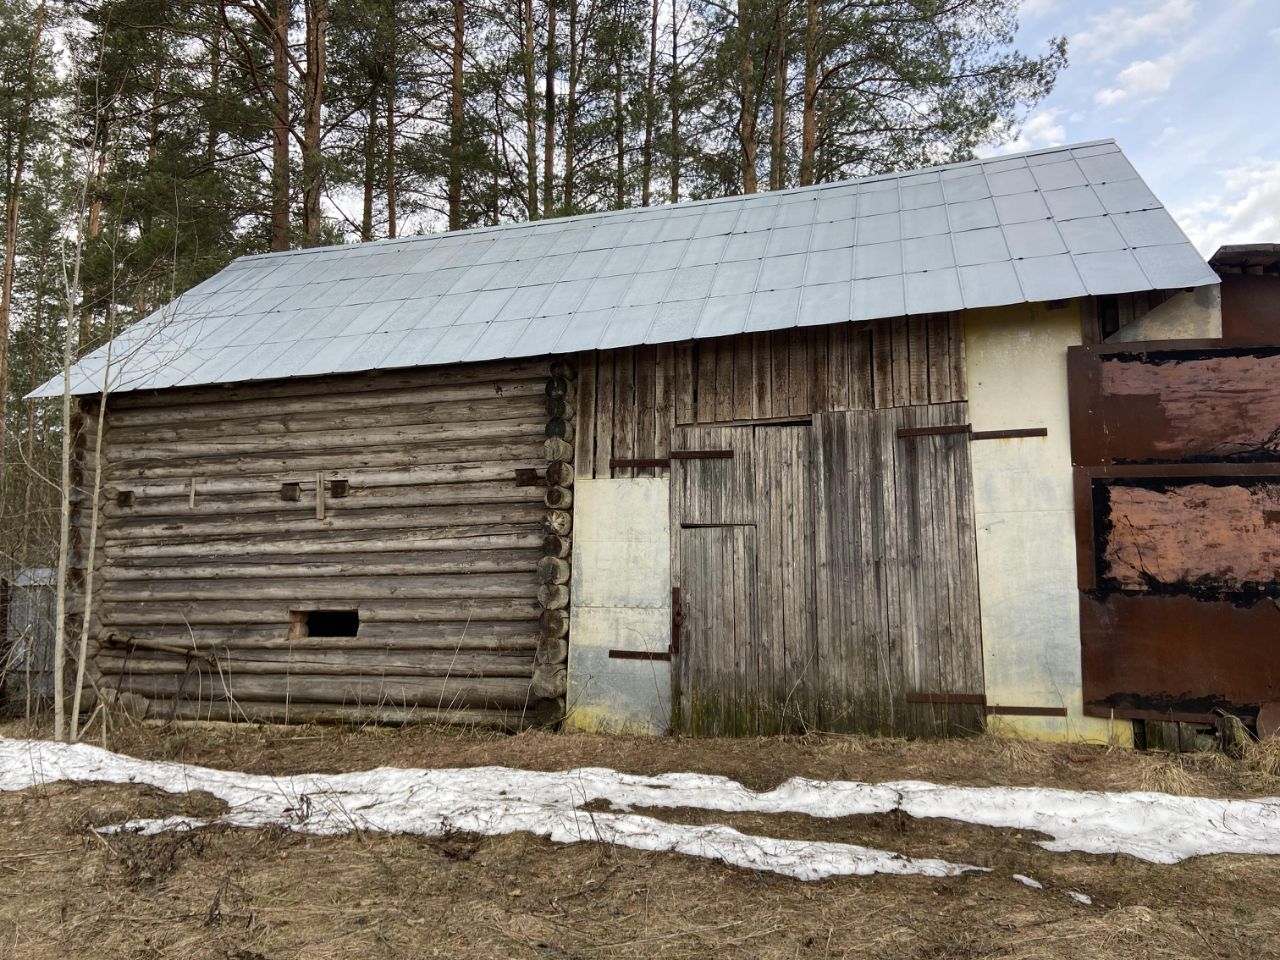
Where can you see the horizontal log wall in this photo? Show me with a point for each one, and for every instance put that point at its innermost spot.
(628, 400)
(214, 542)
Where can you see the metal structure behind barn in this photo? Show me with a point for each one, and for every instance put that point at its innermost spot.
(1250, 275)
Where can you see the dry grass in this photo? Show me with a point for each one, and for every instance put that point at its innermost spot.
(1168, 774)
(222, 894)
(1264, 757)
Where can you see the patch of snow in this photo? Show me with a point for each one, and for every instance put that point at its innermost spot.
(1156, 827)
(1028, 882)
(1079, 897)
(482, 800)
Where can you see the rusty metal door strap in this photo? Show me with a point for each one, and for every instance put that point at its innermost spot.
(677, 619)
(967, 428)
(980, 699)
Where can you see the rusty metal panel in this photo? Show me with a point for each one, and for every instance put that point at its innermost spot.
(1176, 448)
(1173, 401)
(1150, 656)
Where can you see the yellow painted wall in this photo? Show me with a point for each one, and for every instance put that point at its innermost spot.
(621, 600)
(1017, 370)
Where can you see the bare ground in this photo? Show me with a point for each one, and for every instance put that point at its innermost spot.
(268, 894)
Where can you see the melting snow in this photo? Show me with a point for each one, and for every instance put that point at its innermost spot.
(498, 800)
(1028, 882)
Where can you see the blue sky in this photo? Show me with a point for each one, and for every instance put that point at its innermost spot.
(1187, 88)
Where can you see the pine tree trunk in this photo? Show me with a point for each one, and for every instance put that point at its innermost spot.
(549, 116)
(215, 88)
(777, 139)
(619, 135)
(530, 109)
(12, 212)
(675, 104)
(456, 116)
(392, 130)
(280, 126)
(370, 167)
(748, 116)
(85, 316)
(809, 123)
(312, 161)
(571, 110)
(650, 109)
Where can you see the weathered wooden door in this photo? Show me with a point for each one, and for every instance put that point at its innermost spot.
(827, 575)
(898, 630)
(743, 567)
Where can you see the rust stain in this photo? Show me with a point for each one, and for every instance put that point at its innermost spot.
(1192, 406)
(1204, 537)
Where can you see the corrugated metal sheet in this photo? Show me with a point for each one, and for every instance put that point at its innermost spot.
(1045, 225)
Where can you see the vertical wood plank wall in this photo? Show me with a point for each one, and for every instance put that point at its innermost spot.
(629, 399)
(205, 565)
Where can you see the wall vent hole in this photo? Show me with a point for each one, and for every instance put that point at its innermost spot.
(329, 623)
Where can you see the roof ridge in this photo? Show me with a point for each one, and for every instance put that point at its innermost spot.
(683, 204)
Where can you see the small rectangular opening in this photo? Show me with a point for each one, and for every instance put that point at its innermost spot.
(328, 623)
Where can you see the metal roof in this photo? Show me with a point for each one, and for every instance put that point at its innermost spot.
(1045, 225)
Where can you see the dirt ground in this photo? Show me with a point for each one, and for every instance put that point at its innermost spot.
(234, 894)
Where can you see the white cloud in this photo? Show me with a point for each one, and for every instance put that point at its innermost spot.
(1037, 8)
(1043, 128)
(1245, 210)
(1122, 27)
(1142, 78)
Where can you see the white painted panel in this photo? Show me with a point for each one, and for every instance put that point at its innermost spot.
(1017, 372)
(620, 600)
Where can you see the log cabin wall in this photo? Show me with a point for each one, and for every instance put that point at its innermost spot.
(243, 529)
(630, 399)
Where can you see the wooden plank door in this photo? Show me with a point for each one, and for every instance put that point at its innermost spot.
(742, 563)
(898, 629)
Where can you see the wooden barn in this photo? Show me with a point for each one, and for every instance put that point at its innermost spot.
(766, 463)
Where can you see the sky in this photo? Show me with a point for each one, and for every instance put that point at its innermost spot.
(1186, 87)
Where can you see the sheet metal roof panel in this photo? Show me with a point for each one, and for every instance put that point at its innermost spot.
(876, 297)
(990, 284)
(1173, 265)
(1147, 228)
(972, 214)
(1057, 176)
(1035, 238)
(968, 187)
(1072, 202)
(822, 303)
(980, 246)
(936, 291)
(1049, 278)
(1091, 235)
(1112, 271)
(1048, 224)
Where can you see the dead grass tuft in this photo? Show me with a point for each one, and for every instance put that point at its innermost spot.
(1159, 774)
(1023, 756)
(1263, 756)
